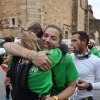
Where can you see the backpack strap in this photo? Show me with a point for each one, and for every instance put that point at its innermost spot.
(24, 76)
(14, 71)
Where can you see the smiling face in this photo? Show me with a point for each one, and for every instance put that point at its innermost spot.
(50, 38)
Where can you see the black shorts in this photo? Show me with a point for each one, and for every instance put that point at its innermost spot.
(8, 74)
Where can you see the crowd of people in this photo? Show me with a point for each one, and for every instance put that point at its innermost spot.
(42, 68)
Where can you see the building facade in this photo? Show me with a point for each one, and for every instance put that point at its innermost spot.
(94, 26)
(70, 15)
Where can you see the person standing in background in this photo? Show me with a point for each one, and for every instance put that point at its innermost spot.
(8, 60)
(87, 65)
(92, 48)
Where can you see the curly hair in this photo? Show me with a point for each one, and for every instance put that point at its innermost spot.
(29, 38)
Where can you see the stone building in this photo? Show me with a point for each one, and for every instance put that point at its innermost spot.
(70, 15)
(94, 25)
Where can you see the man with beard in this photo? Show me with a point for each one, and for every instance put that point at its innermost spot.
(93, 50)
(64, 73)
(87, 65)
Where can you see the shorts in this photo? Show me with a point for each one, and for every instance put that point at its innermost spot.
(8, 74)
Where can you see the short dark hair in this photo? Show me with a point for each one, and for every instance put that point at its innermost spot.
(58, 28)
(82, 35)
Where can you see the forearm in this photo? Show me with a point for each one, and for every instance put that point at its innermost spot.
(16, 49)
(65, 94)
(7, 59)
(96, 85)
(39, 59)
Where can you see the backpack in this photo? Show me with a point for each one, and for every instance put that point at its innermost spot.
(18, 75)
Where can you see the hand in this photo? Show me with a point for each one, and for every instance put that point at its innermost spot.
(4, 57)
(83, 85)
(50, 98)
(70, 49)
(41, 60)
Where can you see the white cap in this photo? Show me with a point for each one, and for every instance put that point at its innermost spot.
(92, 41)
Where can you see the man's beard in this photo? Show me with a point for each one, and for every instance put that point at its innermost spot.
(90, 47)
(77, 50)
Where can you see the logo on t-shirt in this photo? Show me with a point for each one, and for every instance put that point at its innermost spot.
(33, 70)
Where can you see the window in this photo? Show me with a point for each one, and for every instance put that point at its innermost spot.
(13, 22)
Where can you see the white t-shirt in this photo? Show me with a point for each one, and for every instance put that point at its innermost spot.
(88, 70)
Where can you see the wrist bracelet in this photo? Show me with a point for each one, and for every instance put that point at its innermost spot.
(90, 87)
(31, 55)
(55, 97)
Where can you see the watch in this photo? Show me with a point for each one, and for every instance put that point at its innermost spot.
(90, 87)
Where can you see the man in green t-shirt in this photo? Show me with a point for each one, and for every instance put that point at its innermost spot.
(64, 74)
(93, 50)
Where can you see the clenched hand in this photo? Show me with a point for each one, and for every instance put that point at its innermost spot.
(41, 60)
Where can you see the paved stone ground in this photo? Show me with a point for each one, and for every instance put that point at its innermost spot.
(2, 87)
(97, 94)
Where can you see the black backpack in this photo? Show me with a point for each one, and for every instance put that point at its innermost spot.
(18, 75)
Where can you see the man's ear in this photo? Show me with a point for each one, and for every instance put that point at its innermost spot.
(84, 41)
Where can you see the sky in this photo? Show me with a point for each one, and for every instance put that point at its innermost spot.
(95, 7)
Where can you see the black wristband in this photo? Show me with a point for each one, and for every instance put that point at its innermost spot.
(90, 87)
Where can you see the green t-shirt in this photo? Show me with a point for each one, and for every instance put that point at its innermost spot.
(9, 63)
(95, 52)
(41, 81)
(63, 73)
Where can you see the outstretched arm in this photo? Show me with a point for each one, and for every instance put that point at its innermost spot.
(16, 49)
(39, 58)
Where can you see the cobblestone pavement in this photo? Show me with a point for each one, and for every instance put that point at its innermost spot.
(2, 87)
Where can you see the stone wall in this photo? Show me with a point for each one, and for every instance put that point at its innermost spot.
(14, 13)
(94, 25)
(58, 12)
(10, 14)
(65, 13)
(81, 15)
